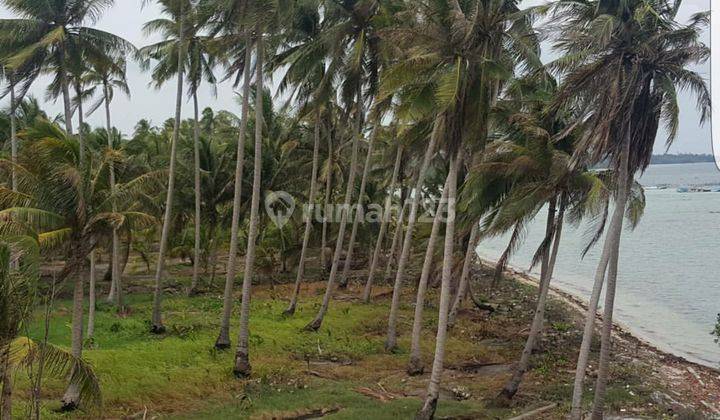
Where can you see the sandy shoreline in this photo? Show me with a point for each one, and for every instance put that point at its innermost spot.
(690, 384)
(580, 304)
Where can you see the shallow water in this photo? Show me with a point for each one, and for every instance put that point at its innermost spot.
(668, 285)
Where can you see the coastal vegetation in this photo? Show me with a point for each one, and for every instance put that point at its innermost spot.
(388, 138)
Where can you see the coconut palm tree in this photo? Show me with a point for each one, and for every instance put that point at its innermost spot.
(305, 54)
(200, 65)
(19, 261)
(109, 74)
(354, 57)
(65, 214)
(235, 36)
(45, 35)
(242, 367)
(383, 223)
(448, 64)
(171, 59)
(624, 62)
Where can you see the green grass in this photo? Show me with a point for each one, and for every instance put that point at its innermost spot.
(181, 373)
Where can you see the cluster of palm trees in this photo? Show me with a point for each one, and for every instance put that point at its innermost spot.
(446, 100)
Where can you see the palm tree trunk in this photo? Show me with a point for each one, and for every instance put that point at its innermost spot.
(397, 239)
(326, 210)
(316, 323)
(383, 226)
(198, 219)
(612, 240)
(81, 140)
(415, 365)
(359, 209)
(13, 137)
(429, 406)
(7, 384)
(553, 233)
(223, 340)
(391, 340)
(157, 324)
(242, 361)
(308, 223)
(115, 283)
(464, 276)
(65, 93)
(71, 398)
(91, 298)
(606, 337)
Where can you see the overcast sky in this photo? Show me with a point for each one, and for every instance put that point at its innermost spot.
(126, 19)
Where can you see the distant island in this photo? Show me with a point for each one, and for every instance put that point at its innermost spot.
(681, 158)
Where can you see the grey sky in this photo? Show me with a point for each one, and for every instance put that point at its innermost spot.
(126, 19)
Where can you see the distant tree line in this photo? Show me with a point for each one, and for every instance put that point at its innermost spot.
(681, 158)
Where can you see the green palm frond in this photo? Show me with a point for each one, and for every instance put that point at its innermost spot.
(26, 353)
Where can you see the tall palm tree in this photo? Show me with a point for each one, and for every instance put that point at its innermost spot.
(19, 261)
(383, 224)
(458, 56)
(45, 34)
(66, 214)
(171, 58)
(200, 64)
(414, 202)
(305, 54)
(235, 36)
(242, 367)
(642, 58)
(109, 74)
(415, 364)
(361, 197)
(355, 58)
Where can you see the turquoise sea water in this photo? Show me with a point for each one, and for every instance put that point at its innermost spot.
(669, 274)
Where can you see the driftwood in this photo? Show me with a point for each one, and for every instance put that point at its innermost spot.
(535, 412)
(306, 414)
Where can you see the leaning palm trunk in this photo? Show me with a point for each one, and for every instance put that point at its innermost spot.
(553, 233)
(396, 240)
(198, 221)
(465, 274)
(433, 392)
(67, 109)
(6, 395)
(415, 365)
(359, 209)
(308, 223)
(316, 323)
(612, 241)
(91, 299)
(391, 340)
(606, 338)
(383, 226)
(242, 362)
(223, 340)
(13, 137)
(157, 324)
(326, 208)
(71, 398)
(115, 282)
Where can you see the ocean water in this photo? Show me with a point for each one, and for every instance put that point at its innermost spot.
(669, 274)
